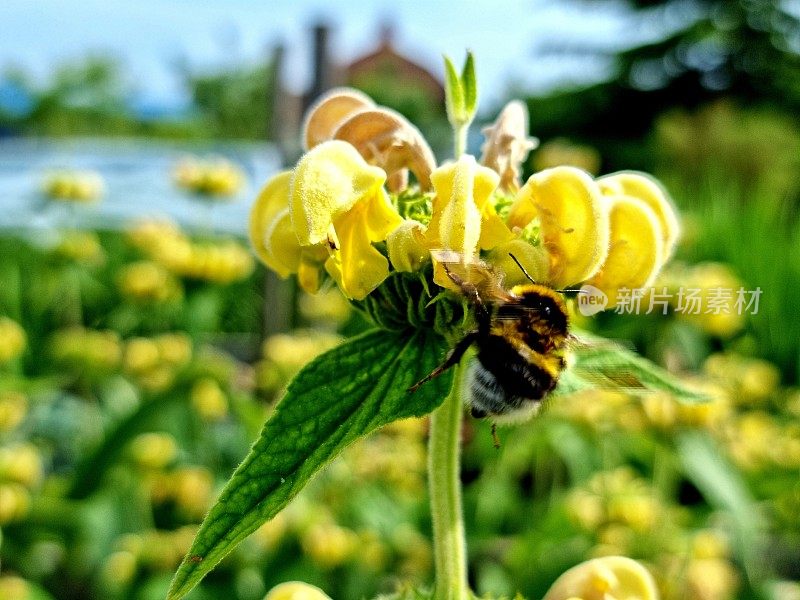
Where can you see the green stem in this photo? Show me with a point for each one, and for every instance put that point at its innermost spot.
(460, 139)
(444, 483)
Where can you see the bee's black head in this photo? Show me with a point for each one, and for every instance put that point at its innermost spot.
(548, 305)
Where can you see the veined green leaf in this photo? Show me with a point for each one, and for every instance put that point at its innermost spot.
(339, 397)
(454, 94)
(603, 364)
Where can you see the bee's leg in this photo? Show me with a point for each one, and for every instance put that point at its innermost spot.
(495, 439)
(452, 359)
(469, 290)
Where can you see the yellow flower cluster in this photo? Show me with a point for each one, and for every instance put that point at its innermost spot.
(81, 187)
(717, 315)
(218, 262)
(286, 353)
(603, 410)
(612, 498)
(80, 246)
(189, 488)
(154, 362)
(21, 471)
(90, 349)
(148, 282)
(154, 550)
(15, 588)
(561, 151)
(351, 191)
(213, 178)
(208, 400)
(13, 409)
(153, 450)
(12, 340)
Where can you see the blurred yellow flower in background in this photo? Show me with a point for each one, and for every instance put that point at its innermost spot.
(80, 246)
(213, 178)
(222, 261)
(13, 340)
(147, 281)
(563, 152)
(80, 187)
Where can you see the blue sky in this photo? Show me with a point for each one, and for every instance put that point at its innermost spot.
(151, 35)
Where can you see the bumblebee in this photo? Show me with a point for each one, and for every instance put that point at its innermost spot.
(521, 338)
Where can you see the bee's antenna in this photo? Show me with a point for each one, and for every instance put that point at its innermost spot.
(519, 264)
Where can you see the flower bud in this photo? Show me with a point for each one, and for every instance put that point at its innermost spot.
(295, 590)
(406, 246)
(607, 578)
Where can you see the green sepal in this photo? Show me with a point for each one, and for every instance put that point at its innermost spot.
(454, 94)
(470, 86)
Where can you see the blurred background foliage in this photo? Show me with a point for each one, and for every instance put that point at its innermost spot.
(137, 365)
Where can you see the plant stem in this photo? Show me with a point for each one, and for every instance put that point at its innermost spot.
(444, 484)
(460, 139)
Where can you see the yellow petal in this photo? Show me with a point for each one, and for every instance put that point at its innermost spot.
(327, 182)
(309, 276)
(533, 258)
(273, 198)
(406, 246)
(607, 578)
(649, 190)
(573, 220)
(356, 266)
(281, 249)
(636, 249)
(380, 216)
(462, 190)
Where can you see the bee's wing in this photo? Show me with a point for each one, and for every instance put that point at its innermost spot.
(486, 279)
(600, 363)
(598, 373)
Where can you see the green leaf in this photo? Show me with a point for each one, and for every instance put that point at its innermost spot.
(470, 86)
(454, 94)
(600, 363)
(341, 396)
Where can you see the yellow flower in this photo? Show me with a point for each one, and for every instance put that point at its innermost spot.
(12, 340)
(606, 578)
(330, 209)
(211, 178)
(573, 222)
(74, 186)
(561, 227)
(464, 219)
(338, 199)
(406, 246)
